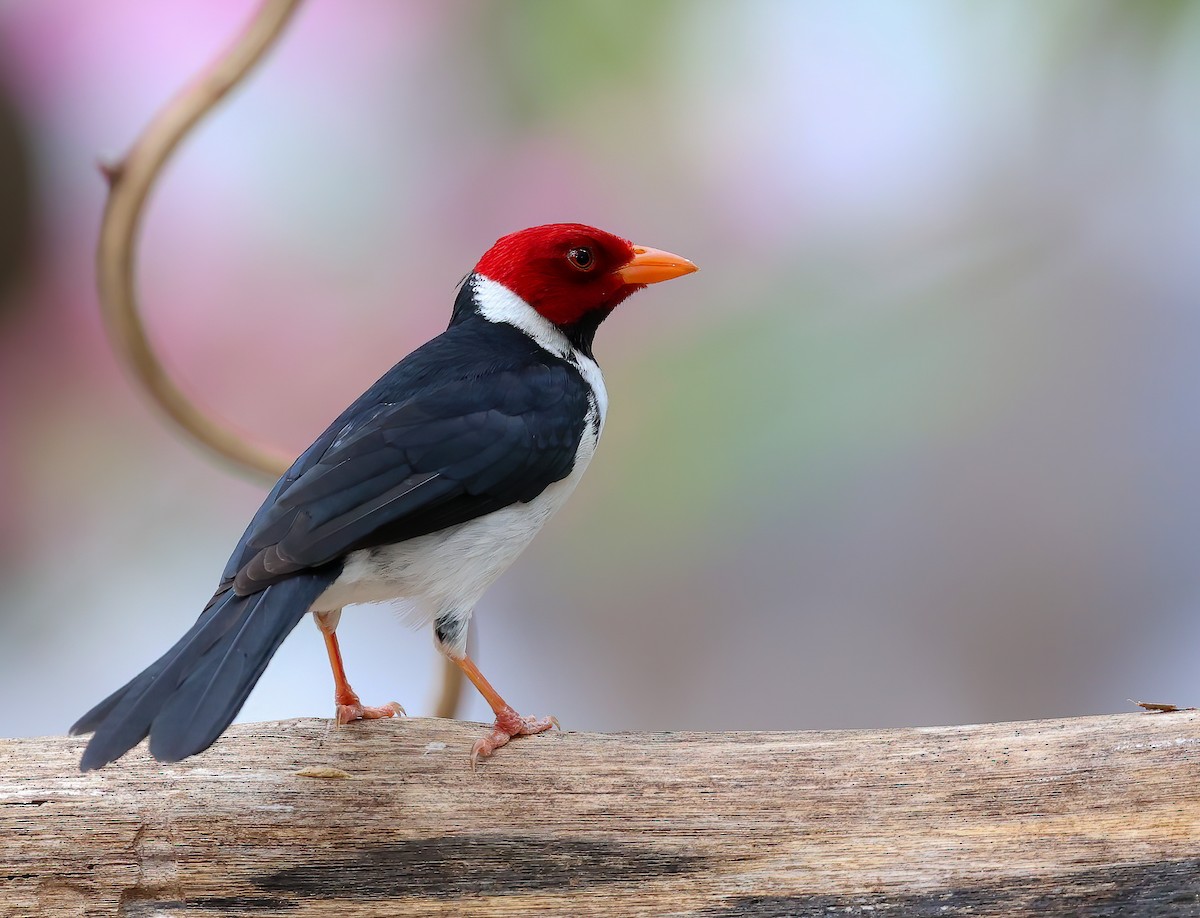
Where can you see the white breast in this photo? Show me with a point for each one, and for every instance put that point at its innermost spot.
(448, 571)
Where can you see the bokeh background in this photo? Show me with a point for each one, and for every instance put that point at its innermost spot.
(920, 444)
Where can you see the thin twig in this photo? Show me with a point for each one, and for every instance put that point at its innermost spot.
(1158, 707)
(130, 181)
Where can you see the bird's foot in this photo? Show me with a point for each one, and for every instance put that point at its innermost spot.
(508, 724)
(350, 709)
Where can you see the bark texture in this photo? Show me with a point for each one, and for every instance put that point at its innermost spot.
(1087, 816)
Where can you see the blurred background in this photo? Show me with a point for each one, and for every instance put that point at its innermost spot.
(919, 445)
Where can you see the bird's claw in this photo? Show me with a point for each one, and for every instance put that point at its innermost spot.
(348, 713)
(509, 724)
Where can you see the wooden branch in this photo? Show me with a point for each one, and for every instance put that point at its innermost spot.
(1089, 816)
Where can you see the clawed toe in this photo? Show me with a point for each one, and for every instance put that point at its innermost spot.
(508, 724)
(348, 713)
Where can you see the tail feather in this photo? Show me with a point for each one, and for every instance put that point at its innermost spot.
(207, 702)
(209, 627)
(187, 698)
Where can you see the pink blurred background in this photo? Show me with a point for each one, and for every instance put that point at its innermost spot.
(919, 445)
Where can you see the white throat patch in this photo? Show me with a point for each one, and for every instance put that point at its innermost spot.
(499, 304)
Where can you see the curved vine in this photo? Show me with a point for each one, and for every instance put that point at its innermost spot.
(130, 181)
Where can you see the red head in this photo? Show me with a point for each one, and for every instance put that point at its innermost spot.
(567, 270)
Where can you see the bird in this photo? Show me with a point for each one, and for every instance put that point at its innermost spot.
(424, 490)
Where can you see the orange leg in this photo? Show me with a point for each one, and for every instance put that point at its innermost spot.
(508, 722)
(349, 707)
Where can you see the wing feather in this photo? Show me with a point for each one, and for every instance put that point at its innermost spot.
(442, 456)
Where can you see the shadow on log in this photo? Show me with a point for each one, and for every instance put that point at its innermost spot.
(1086, 816)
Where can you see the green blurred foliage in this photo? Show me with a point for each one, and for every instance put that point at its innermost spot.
(553, 61)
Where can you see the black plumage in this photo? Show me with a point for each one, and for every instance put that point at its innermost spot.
(477, 419)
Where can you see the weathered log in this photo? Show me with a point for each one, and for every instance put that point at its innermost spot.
(1088, 816)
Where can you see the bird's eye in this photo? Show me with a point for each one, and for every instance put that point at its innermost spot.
(581, 258)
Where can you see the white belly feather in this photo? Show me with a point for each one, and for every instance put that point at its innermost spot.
(449, 570)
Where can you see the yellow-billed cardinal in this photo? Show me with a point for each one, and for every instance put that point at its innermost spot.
(425, 489)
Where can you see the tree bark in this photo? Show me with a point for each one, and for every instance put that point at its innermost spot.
(1086, 816)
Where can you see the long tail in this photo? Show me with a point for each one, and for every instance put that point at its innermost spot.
(187, 698)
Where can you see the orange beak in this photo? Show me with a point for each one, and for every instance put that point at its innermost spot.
(649, 266)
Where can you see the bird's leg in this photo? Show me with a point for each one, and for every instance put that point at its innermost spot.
(346, 700)
(450, 634)
(508, 722)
